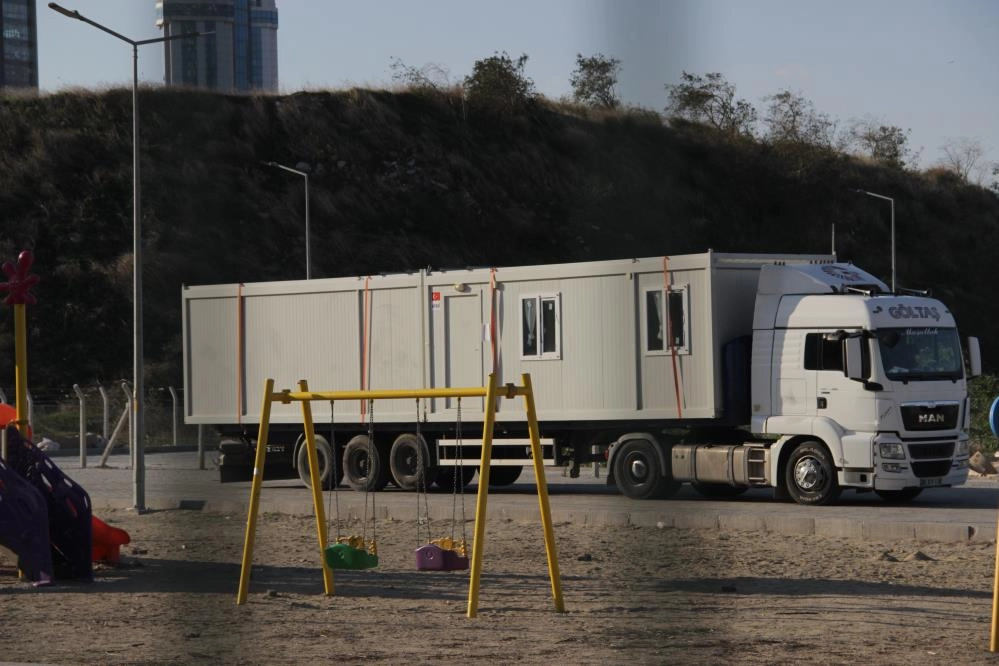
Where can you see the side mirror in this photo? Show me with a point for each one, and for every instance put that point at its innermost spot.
(974, 357)
(853, 348)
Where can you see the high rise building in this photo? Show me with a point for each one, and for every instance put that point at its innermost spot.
(241, 55)
(18, 44)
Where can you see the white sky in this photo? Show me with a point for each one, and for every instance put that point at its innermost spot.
(925, 65)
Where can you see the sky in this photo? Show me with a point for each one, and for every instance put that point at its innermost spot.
(928, 66)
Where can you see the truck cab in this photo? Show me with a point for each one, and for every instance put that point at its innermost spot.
(861, 387)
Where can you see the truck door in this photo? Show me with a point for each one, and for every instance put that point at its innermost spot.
(792, 382)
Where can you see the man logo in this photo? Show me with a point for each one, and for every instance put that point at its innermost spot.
(931, 418)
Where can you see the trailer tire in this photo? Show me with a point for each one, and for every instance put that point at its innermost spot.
(719, 490)
(446, 477)
(638, 474)
(408, 451)
(503, 476)
(363, 466)
(326, 469)
(810, 475)
(899, 496)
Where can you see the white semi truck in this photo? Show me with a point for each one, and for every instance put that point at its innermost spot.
(728, 371)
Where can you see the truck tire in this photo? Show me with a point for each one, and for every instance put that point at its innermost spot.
(446, 478)
(719, 490)
(405, 459)
(810, 475)
(637, 472)
(363, 471)
(899, 496)
(503, 476)
(326, 472)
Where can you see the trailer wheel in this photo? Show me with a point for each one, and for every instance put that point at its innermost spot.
(446, 478)
(363, 471)
(325, 455)
(503, 476)
(404, 462)
(719, 490)
(637, 472)
(899, 496)
(810, 475)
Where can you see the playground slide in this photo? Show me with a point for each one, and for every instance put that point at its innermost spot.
(65, 515)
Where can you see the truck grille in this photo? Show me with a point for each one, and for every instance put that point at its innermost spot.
(940, 416)
(931, 468)
(934, 450)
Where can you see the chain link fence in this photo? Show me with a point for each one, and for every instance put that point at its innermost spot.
(55, 413)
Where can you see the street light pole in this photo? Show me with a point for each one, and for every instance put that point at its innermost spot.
(138, 433)
(308, 235)
(892, 202)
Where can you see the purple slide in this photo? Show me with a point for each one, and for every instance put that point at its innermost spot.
(24, 526)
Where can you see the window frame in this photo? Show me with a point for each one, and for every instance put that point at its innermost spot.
(684, 291)
(539, 299)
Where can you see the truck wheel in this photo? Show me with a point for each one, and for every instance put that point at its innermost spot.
(446, 478)
(503, 476)
(325, 456)
(810, 475)
(719, 490)
(404, 461)
(899, 496)
(363, 471)
(637, 472)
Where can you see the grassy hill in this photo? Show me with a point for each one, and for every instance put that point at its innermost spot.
(402, 180)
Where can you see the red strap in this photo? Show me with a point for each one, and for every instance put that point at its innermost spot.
(239, 354)
(364, 345)
(492, 315)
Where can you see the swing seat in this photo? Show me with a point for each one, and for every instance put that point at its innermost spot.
(432, 557)
(345, 556)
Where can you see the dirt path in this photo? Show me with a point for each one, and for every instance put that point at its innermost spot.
(648, 595)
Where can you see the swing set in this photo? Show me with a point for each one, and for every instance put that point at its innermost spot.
(359, 552)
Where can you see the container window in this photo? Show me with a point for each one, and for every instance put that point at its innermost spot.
(656, 329)
(540, 326)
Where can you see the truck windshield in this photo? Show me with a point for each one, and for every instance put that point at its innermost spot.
(914, 354)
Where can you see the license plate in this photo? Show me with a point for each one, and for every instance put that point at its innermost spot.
(925, 483)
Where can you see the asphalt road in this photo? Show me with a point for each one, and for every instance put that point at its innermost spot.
(173, 480)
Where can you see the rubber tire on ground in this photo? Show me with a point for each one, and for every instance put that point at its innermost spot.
(899, 496)
(446, 477)
(404, 459)
(361, 470)
(810, 475)
(325, 455)
(719, 490)
(500, 476)
(230, 474)
(637, 472)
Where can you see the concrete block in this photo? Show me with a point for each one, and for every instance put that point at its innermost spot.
(651, 519)
(741, 522)
(983, 532)
(790, 524)
(946, 532)
(696, 520)
(844, 528)
(888, 531)
(608, 518)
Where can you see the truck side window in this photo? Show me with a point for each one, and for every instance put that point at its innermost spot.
(655, 322)
(822, 353)
(540, 326)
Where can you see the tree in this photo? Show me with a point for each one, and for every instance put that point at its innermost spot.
(498, 83)
(711, 100)
(962, 157)
(885, 144)
(792, 119)
(594, 79)
(431, 77)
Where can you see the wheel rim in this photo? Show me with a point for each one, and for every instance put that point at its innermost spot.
(810, 474)
(638, 468)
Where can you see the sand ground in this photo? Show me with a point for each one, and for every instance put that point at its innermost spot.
(645, 595)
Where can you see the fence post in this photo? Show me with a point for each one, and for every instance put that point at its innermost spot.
(31, 412)
(3, 397)
(107, 412)
(201, 447)
(83, 425)
(131, 424)
(173, 398)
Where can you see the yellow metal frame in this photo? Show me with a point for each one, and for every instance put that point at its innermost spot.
(490, 392)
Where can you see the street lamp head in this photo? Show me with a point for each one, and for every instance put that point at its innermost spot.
(65, 12)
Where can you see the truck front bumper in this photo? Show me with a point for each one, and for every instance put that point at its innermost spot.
(921, 464)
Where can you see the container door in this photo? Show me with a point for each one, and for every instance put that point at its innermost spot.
(457, 346)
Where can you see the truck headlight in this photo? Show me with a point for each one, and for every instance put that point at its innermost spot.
(962, 448)
(892, 450)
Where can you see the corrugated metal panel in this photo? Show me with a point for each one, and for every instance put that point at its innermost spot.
(395, 347)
